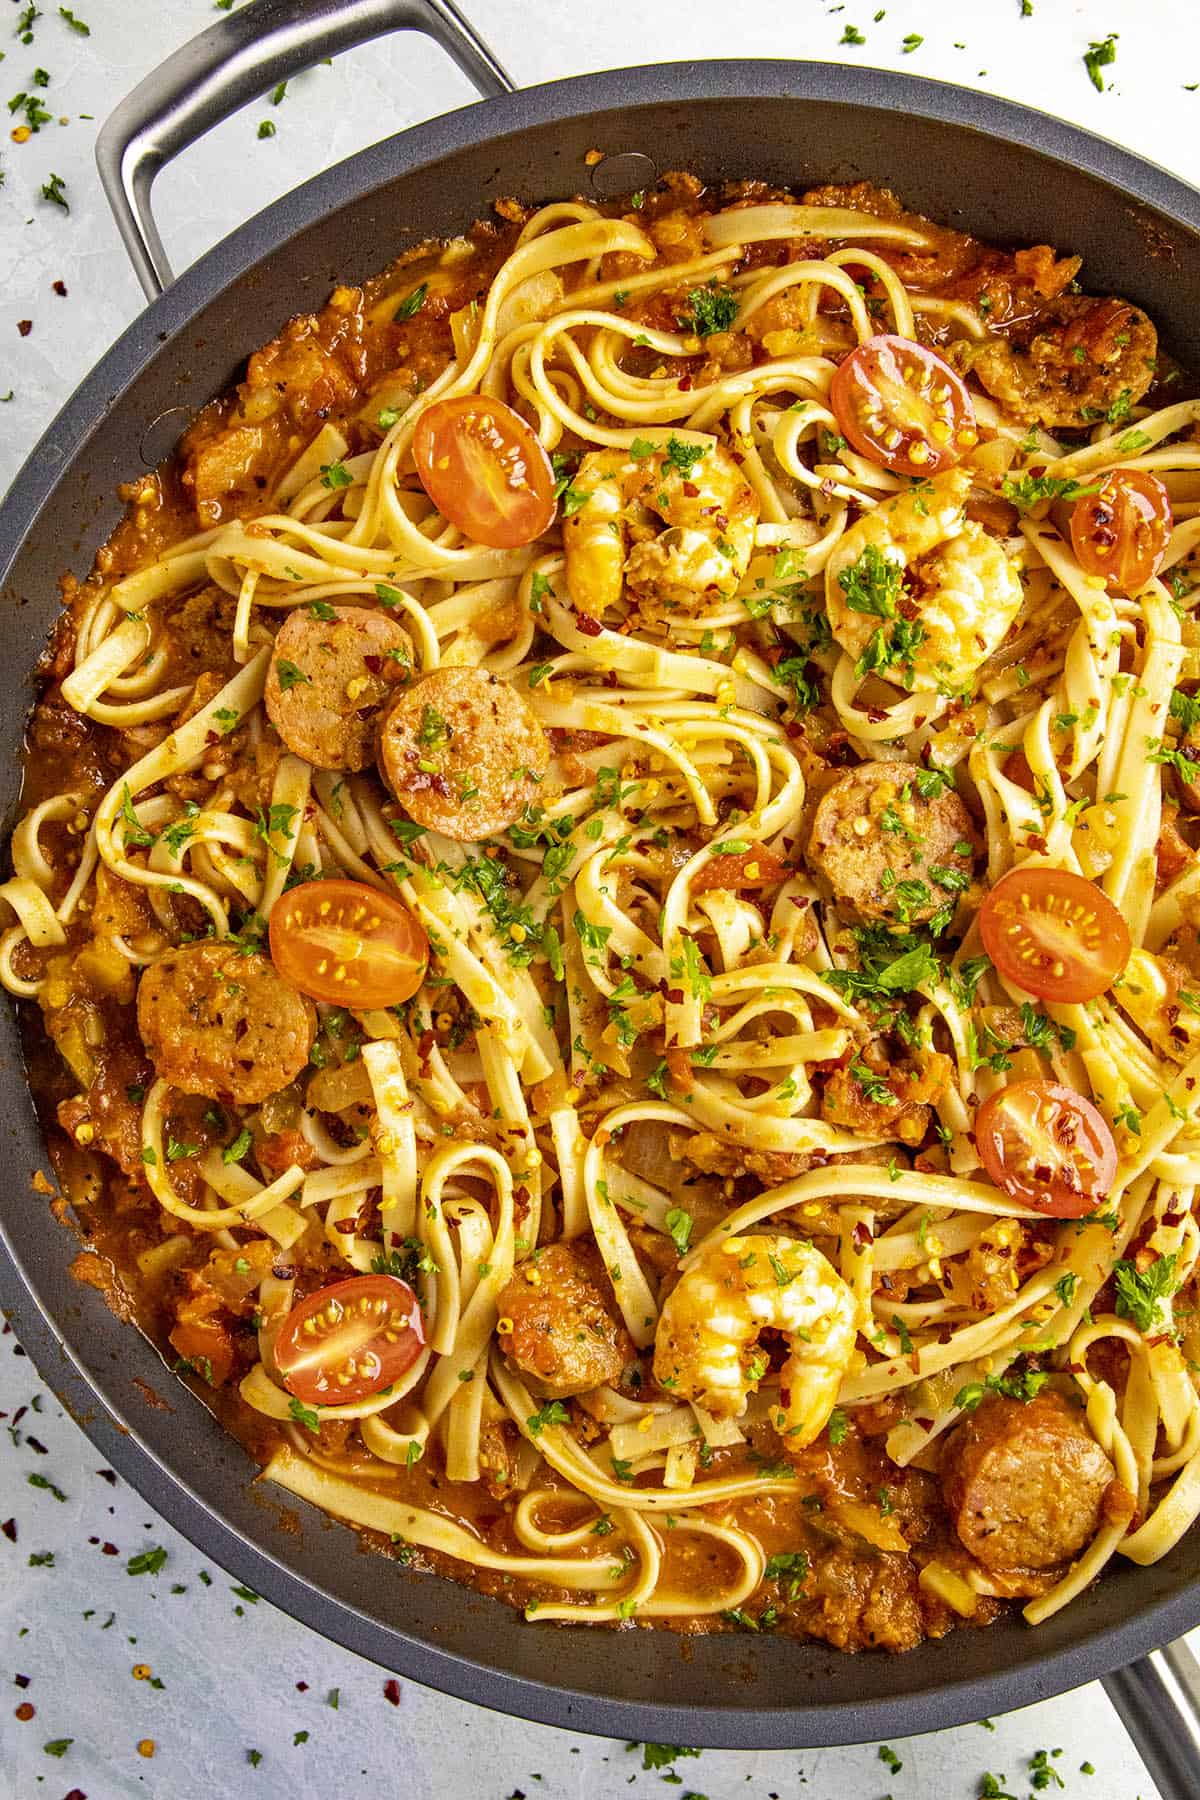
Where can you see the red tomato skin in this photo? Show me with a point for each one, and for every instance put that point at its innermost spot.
(485, 470)
(401, 944)
(1056, 1200)
(737, 869)
(857, 390)
(1097, 959)
(1121, 532)
(395, 1309)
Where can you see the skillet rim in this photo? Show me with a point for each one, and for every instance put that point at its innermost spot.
(1102, 1647)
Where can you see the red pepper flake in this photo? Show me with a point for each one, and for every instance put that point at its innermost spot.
(109, 1550)
(9, 1528)
(24, 326)
(590, 627)
(690, 489)
(107, 1475)
(25, 1711)
(391, 1691)
(21, 1681)
(374, 663)
(75, 1794)
(60, 288)
(302, 1687)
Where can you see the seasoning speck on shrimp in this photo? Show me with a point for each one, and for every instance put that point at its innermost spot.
(706, 1345)
(612, 541)
(919, 593)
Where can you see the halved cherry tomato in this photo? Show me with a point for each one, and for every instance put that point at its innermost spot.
(348, 943)
(1121, 531)
(485, 470)
(1047, 1147)
(752, 868)
(1054, 934)
(903, 406)
(348, 1341)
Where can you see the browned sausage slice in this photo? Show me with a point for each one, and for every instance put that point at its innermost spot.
(1025, 1482)
(223, 1024)
(557, 1325)
(329, 677)
(462, 753)
(1077, 360)
(887, 852)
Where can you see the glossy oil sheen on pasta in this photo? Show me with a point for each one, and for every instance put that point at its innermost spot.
(726, 1324)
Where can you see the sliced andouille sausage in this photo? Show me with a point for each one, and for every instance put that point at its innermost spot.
(557, 1324)
(462, 753)
(1077, 360)
(1025, 1482)
(886, 851)
(217, 1022)
(328, 679)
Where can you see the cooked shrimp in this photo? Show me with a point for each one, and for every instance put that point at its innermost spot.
(707, 507)
(704, 1348)
(919, 592)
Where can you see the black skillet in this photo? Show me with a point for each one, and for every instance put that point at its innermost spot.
(1002, 171)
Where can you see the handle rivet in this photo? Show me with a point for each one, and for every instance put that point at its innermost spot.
(162, 434)
(623, 172)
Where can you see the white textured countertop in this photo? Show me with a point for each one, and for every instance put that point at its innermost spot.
(229, 1679)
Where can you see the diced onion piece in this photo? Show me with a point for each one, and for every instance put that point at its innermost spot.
(935, 1578)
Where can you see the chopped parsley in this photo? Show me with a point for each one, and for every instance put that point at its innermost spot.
(135, 831)
(553, 1413)
(234, 1152)
(884, 980)
(305, 1415)
(683, 457)
(289, 676)
(679, 1225)
(1024, 1386)
(1185, 708)
(146, 1562)
(1028, 491)
(872, 584)
(411, 304)
(54, 190)
(712, 309)
(1100, 55)
(661, 1756)
(1141, 1293)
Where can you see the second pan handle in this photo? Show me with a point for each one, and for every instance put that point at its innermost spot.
(1158, 1700)
(231, 64)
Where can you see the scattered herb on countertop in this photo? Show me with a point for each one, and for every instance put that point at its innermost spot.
(1099, 55)
(146, 1562)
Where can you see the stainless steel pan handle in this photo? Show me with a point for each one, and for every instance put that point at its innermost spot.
(1158, 1700)
(231, 64)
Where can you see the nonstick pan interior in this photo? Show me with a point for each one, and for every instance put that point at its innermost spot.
(1139, 232)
